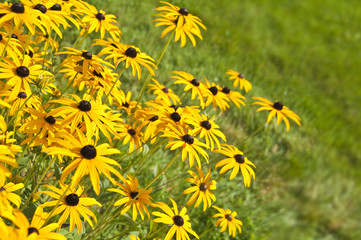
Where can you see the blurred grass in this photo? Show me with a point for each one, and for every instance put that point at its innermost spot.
(305, 54)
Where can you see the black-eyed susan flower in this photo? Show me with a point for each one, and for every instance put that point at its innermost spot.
(84, 110)
(181, 225)
(134, 197)
(130, 133)
(197, 88)
(236, 161)
(89, 158)
(7, 194)
(72, 205)
(216, 96)
(21, 101)
(132, 56)
(236, 97)
(181, 20)
(9, 45)
(163, 93)
(191, 146)
(98, 21)
(227, 219)
(19, 74)
(208, 129)
(277, 108)
(35, 229)
(20, 14)
(239, 79)
(125, 102)
(201, 188)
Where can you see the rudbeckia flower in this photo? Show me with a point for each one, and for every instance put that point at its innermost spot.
(216, 96)
(191, 146)
(20, 14)
(239, 79)
(234, 96)
(21, 101)
(10, 46)
(179, 221)
(19, 75)
(125, 103)
(83, 110)
(132, 56)
(201, 188)
(131, 134)
(35, 229)
(6, 193)
(208, 129)
(238, 162)
(181, 20)
(134, 197)
(227, 219)
(99, 21)
(89, 158)
(192, 84)
(72, 205)
(277, 108)
(163, 93)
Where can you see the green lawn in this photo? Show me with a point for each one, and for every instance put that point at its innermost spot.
(306, 54)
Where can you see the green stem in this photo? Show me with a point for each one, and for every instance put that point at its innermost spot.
(115, 82)
(22, 105)
(149, 76)
(207, 231)
(37, 185)
(29, 175)
(7, 43)
(253, 134)
(28, 145)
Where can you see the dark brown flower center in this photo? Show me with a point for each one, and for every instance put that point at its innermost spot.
(183, 11)
(17, 8)
(114, 45)
(133, 195)
(165, 90)
(195, 82)
(87, 55)
(99, 75)
(175, 107)
(84, 106)
(203, 187)
(131, 132)
(278, 105)
(226, 90)
(188, 139)
(229, 217)
(22, 95)
(126, 104)
(50, 119)
(14, 36)
(100, 16)
(56, 7)
(207, 125)
(178, 220)
(30, 54)
(41, 8)
(2, 189)
(22, 71)
(240, 75)
(32, 230)
(175, 117)
(154, 118)
(88, 152)
(239, 158)
(213, 90)
(131, 52)
(1, 37)
(72, 199)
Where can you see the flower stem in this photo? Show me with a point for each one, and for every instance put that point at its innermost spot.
(149, 76)
(7, 43)
(115, 82)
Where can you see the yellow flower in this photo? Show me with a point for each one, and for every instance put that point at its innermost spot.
(6, 193)
(228, 220)
(238, 78)
(135, 197)
(201, 188)
(216, 96)
(179, 220)
(234, 96)
(163, 93)
(277, 108)
(191, 146)
(89, 158)
(99, 21)
(132, 134)
(181, 20)
(238, 162)
(72, 205)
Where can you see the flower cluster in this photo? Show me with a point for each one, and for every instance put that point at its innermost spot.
(61, 144)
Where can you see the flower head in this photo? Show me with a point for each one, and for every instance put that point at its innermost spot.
(227, 219)
(277, 108)
(239, 79)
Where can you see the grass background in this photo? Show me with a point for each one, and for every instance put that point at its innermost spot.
(305, 54)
